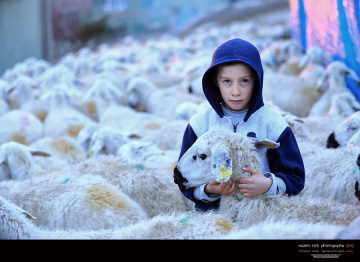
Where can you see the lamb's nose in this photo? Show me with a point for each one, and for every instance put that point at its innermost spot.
(357, 189)
(179, 179)
(358, 160)
(331, 142)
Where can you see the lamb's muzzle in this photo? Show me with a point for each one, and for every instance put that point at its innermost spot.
(331, 142)
(179, 179)
(357, 189)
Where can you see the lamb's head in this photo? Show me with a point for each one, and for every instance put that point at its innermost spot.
(345, 132)
(219, 155)
(335, 76)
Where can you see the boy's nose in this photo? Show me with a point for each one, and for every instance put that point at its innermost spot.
(236, 91)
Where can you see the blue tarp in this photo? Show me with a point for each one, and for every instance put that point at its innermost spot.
(333, 25)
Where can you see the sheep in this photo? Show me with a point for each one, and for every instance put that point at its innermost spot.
(16, 161)
(20, 126)
(23, 96)
(16, 223)
(62, 119)
(66, 201)
(219, 153)
(291, 93)
(102, 94)
(327, 176)
(313, 63)
(336, 101)
(152, 188)
(149, 154)
(62, 148)
(287, 229)
(344, 131)
(161, 102)
(106, 140)
(352, 231)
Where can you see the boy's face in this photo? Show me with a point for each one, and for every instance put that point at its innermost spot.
(236, 84)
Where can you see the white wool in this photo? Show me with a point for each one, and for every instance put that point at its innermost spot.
(64, 201)
(198, 166)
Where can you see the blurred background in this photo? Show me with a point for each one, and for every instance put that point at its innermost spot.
(48, 29)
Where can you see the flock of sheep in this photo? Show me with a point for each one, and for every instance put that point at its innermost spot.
(88, 145)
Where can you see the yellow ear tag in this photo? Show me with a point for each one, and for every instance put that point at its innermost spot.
(91, 153)
(224, 172)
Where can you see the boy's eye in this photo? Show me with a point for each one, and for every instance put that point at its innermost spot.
(227, 81)
(244, 81)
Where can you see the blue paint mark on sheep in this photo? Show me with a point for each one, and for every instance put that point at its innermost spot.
(139, 167)
(65, 181)
(184, 221)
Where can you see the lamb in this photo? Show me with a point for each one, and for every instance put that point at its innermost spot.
(291, 93)
(217, 154)
(337, 100)
(62, 119)
(102, 94)
(344, 132)
(16, 223)
(142, 94)
(152, 188)
(65, 149)
(20, 126)
(16, 161)
(106, 140)
(65, 201)
(327, 176)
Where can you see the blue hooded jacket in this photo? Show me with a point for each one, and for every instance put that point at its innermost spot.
(285, 161)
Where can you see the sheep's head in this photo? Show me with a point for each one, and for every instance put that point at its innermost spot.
(219, 155)
(345, 132)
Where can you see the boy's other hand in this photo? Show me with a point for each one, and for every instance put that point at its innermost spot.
(227, 188)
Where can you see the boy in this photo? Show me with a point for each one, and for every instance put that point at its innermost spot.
(233, 86)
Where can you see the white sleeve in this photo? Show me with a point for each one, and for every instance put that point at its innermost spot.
(278, 186)
(200, 194)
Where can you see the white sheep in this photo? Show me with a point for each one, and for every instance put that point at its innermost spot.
(313, 63)
(24, 96)
(219, 150)
(328, 176)
(62, 118)
(344, 132)
(290, 92)
(17, 162)
(159, 101)
(102, 94)
(16, 223)
(337, 100)
(63, 148)
(106, 140)
(152, 188)
(65, 201)
(20, 126)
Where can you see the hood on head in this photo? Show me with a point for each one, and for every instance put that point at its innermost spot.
(234, 50)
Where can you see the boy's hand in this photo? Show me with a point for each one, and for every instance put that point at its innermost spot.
(227, 188)
(255, 185)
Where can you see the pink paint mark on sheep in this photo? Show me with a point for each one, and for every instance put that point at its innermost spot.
(25, 122)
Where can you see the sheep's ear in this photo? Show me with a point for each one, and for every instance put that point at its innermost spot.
(221, 164)
(35, 152)
(265, 143)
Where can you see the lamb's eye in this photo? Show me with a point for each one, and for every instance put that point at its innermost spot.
(194, 157)
(214, 165)
(203, 156)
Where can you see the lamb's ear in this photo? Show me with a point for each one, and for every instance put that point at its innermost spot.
(265, 143)
(35, 152)
(221, 164)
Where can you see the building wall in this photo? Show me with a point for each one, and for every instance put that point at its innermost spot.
(20, 31)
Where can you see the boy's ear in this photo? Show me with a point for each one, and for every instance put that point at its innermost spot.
(264, 143)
